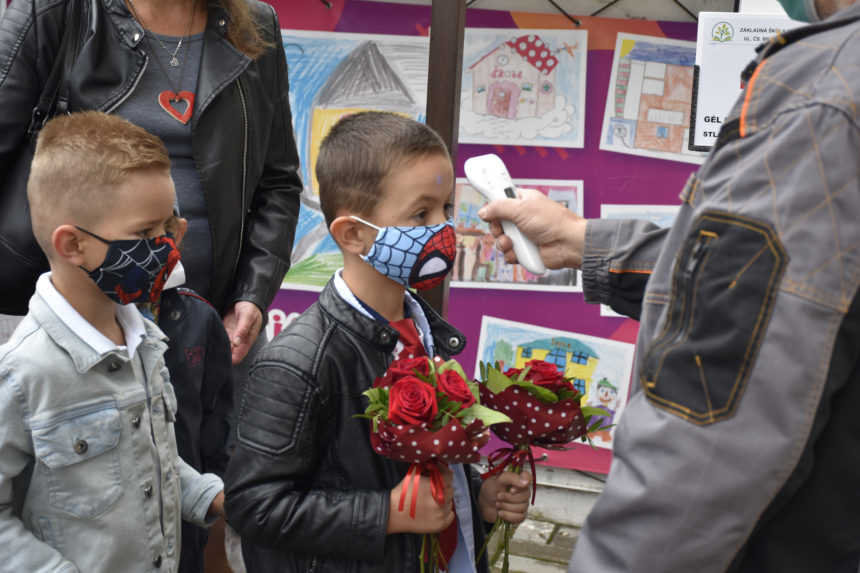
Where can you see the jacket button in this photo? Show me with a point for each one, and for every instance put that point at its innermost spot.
(454, 341)
(147, 491)
(175, 315)
(135, 421)
(222, 22)
(384, 337)
(81, 446)
(114, 365)
(157, 561)
(136, 36)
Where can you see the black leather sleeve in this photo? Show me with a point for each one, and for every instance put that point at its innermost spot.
(274, 211)
(272, 498)
(24, 66)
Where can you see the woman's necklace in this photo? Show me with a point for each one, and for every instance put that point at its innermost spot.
(174, 61)
(167, 98)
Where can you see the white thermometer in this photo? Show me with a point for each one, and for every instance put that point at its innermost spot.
(488, 174)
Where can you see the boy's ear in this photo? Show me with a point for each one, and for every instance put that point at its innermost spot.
(352, 236)
(181, 229)
(67, 243)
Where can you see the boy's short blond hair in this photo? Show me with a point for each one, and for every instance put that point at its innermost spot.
(79, 161)
(360, 151)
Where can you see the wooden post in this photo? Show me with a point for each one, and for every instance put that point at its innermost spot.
(447, 24)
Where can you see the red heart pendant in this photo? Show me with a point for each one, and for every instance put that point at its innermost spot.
(166, 100)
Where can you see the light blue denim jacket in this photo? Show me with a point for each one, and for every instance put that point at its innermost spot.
(90, 479)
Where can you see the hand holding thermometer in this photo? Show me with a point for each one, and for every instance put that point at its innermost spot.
(488, 174)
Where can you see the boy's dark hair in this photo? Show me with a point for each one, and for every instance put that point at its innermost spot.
(360, 151)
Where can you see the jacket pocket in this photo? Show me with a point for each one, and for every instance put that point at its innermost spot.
(724, 285)
(82, 463)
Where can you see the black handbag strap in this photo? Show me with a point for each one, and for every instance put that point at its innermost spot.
(54, 99)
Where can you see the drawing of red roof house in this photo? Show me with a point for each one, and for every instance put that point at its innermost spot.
(515, 80)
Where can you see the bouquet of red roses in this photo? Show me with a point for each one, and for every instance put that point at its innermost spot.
(545, 411)
(426, 412)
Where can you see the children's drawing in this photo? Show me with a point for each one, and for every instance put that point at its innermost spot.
(660, 215)
(534, 97)
(650, 95)
(480, 265)
(523, 88)
(600, 368)
(332, 75)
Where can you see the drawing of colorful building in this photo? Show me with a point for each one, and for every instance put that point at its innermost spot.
(576, 359)
(515, 80)
(653, 96)
(363, 81)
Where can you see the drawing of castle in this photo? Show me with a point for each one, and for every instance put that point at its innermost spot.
(363, 81)
(515, 80)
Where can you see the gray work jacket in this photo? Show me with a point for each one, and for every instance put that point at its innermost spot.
(90, 480)
(740, 447)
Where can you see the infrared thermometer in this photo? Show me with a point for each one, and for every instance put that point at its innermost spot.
(488, 174)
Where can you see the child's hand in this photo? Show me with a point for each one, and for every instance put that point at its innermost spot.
(505, 495)
(216, 509)
(430, 517)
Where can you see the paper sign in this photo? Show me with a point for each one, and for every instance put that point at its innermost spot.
(726, 43)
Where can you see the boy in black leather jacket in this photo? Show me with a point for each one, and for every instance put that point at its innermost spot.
(304, 487)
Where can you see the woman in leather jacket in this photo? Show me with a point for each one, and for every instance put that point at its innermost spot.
(210, 78)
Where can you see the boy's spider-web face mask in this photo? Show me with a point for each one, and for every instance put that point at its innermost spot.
(135, 270)
(417, 257)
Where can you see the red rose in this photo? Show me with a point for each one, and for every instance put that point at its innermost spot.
(411, 401)
(453, 385)
(546, 374)
(513, 372)
(402, 368)
(408, 366)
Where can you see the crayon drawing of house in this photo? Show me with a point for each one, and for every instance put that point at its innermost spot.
(515, 80)
(575, 358)
(364, 80)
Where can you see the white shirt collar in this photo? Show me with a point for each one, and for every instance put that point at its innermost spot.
(416, 313)
(343, 291)
(128, 316)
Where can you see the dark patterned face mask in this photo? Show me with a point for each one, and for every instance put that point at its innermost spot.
(135, 270)
(417, 257)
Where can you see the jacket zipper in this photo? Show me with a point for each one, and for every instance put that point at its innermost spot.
(244, 171)
(133, 87)
(687, 281)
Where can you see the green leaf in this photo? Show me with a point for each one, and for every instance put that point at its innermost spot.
(566, 394)
(455, 366)
(539, 392)
(597, 426)
(487, 415)
(473, 388)
(589, 411)
(522, 376)
(496, 381)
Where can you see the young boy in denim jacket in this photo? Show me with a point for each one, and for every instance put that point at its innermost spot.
(304, 487)
(90, 479)
(198, 360)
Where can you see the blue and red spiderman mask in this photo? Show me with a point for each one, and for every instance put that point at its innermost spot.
(417, 257)
(135, 270)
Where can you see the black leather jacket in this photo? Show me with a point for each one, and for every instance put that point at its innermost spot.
(242, 134)
(304, 488)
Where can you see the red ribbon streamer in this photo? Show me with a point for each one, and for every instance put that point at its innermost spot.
(437, 485)
(503, 457)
